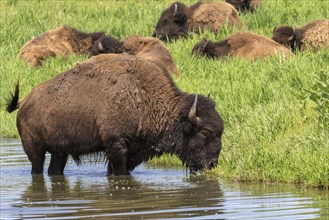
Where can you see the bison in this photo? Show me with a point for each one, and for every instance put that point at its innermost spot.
(63, 40)
(245, 5)
(178, 19)
(151, 49)
(106, 44)
(121, 105)
(241, 44)
(314, 35)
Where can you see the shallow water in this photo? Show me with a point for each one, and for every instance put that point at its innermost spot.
(149, 193)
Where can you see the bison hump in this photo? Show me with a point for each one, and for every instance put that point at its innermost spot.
(213, 15)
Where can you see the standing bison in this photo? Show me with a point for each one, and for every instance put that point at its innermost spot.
(241, 44)
(63, 40)
(151, 49)
(314, 35)
(121, 105)
(178, 19)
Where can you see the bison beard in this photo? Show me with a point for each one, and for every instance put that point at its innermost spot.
(123, 106)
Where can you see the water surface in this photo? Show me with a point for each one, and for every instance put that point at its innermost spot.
(85, 192)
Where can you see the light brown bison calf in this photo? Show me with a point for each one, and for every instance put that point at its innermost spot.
(242, 44)
(60, 41)
(314, 35)
(151, 49)
(178, 19)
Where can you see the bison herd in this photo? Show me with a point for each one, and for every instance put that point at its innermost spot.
(123, 103)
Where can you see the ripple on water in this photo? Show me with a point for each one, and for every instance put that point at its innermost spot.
(150, 193)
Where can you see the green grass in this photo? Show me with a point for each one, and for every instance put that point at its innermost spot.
(271, 134)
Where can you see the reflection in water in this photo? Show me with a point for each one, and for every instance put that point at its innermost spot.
(119, 197)
(85, 192)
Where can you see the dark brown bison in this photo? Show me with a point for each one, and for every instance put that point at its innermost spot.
(121, 105)
(151, 49)
(245, 5)
(241, 44)
(178, 19)
(63, 40)
(314, 35)
(106, 44)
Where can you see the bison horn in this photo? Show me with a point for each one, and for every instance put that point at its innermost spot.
(293, 34)
(205, 43)
(175, 10)
(192, 114)
(100, 46)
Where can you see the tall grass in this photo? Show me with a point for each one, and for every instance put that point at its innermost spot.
(270, 133)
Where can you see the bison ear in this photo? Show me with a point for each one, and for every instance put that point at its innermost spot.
(187, 127)
(100, 46)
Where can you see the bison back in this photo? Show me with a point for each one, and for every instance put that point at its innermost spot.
(249, 45)
(105, 98)
(213, 16)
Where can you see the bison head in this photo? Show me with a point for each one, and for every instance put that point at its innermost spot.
(240, 5)
(106, 45)
(211, 49)
(202, 129)
(201, 48)
(173, 22)
(288, 36)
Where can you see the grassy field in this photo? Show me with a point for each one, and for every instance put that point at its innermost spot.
(273, 129)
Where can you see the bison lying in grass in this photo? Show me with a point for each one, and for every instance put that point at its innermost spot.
(178, 19)
(63, 40)
(151, 49)
(314, 35)
(241, 44)
(245, 5)
(106, 44)
(121, 105)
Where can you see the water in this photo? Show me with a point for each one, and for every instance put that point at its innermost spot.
(149, 193)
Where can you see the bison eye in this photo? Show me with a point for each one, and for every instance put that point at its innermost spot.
(206, 133)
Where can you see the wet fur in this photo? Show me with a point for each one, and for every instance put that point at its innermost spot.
(120, 105)
(241, 44)
(63, 40)
(198, 17)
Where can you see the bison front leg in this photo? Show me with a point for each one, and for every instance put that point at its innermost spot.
(57, 164)
(117, 157)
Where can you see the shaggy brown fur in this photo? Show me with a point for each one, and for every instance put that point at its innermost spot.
(314, 35)
(119, 104)
(178, 19)
(63, 40)
(245, 5)
(151, 49)
(242, 44)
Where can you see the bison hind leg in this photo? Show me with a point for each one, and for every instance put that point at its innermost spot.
(57, 163)
(35, 154)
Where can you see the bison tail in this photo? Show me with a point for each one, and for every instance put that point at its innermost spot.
(12, 104)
